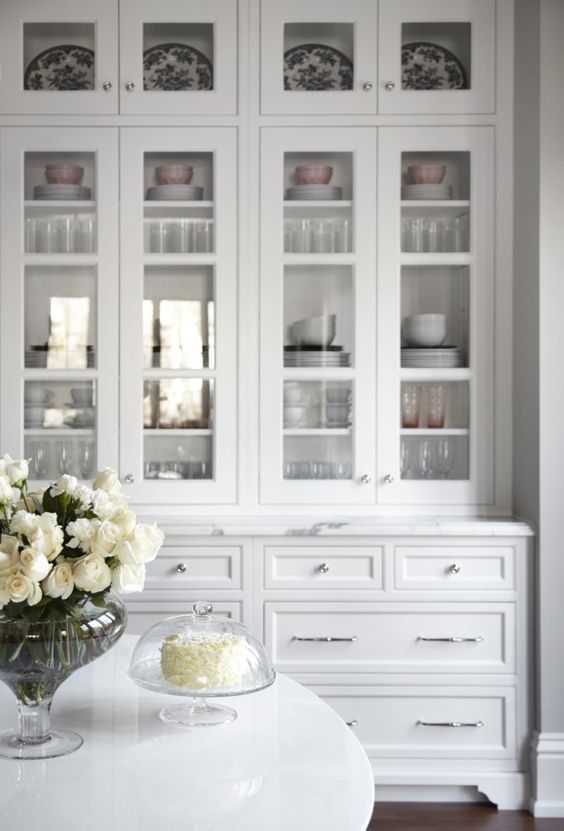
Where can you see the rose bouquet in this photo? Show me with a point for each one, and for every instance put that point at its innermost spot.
(64, 553)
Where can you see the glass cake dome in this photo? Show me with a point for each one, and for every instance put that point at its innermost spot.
(200, 655)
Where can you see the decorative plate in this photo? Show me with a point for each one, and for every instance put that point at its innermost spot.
(59, 68)
(176, 67)
(315, 67)
(429, 66)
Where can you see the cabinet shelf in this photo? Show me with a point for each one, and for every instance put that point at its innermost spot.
(456, 374)
(306, 373)
(173, 208)
(439, 205)
(434, 258)
(186, 432)
(318, 259)
(41, 206)
(48, 432)
(427, 431)
(324, 204)
(180, 259)
(317, 431)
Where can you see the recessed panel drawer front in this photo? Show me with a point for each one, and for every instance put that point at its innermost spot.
(323, 567)
(430, 722)
(142, 615)
(454, 567)
(388, 637)
(214, 567)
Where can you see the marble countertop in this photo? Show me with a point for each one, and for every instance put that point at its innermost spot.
(345, 526)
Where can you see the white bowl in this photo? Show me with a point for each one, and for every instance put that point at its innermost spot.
(425, 329)
(293, 415)
(293, 394)
(34, 416)
(337, 395)
(315, 331)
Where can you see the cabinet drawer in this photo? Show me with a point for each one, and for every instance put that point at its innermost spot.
(454, 567)
(389, 720)
(391, 637)
(143, 614)
(323, 567)
(213, 567)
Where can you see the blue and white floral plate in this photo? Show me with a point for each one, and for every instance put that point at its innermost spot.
(176, 67)
(316, 67)
(61, 68)
(428, 66)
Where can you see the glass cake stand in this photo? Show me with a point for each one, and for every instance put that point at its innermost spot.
(200, 656)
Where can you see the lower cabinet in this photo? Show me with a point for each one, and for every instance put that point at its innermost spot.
(421, 644)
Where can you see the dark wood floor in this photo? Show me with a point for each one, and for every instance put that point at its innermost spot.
(431, 816)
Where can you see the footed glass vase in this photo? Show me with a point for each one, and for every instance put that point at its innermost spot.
(35, 659)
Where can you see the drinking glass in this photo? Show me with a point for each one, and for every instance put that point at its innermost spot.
(86, 458)
(323, 237)
(410, 405)
(436, 409)
(203, 241)
(342, 239)
(444, 457)
(39, 459)
(301, 236)
(425, 460)
(65, 456)
(85, 236)
(405, 459)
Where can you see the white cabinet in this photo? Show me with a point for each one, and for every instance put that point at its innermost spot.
(173, 57)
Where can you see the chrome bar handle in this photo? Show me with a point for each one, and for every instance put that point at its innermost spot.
(478, 639)
(450, 723)
(327, 639)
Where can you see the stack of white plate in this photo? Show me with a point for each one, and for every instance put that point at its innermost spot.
(439, 191)
(316, 357)
(188, 193)
(314, 192)
(68, 192)
(438, 357)
(35, 359)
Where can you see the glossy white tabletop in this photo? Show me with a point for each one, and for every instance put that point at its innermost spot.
(288, 763)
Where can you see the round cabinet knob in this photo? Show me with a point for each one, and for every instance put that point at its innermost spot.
(352, 723)
(388, 479)
(389, 86)
(367, 86)
(181, 568)
(454, 568)
(365, 479)
(324, 568)
(130, 86)
(129, 479)
(107, 86)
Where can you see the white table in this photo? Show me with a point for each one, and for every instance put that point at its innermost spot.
(288, 763)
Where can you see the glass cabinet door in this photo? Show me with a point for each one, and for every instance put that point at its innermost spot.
(317, 315)
(59, 60)
(436, 56)
(59, 298)
(179, 309)
(318, 56)
(436, 348)
(178, 57)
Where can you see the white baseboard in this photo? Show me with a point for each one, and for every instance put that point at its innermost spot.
(547, 767)
(509, 791)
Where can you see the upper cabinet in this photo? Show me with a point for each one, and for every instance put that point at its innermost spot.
(360, 57)
(173, 57)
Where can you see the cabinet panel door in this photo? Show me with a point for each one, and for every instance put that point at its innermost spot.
(317, 316)
(60, 300)
(60, 60)
(179, 301)
(436, 56)
(436, 300)
(178, 57)
(318, 56)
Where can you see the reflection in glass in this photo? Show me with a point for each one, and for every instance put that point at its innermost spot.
(173, 334)
(178, 403)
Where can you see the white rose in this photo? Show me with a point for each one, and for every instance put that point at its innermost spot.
(64, 484)
(45, 535)
(34, 564)
(16, 470)
(23, 523)
(129, 578)
(126, 520)
(9, 552)
(108, 480)
(141, 546)
(5, 490)
(20, 587)
(59, 583)
(105, 537)
(81, 532)
(4, 594)
(91, 573)
(83, 495)
(105, 505)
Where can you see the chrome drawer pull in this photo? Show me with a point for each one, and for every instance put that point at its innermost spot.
(454, 568)
(327, 639)
(181, 568)
(323, 568)
(479, 639)
(352, 723)
(451, 723)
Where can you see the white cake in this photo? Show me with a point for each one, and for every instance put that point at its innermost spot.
(203, 662)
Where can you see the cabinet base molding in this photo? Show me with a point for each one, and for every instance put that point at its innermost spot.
(547, 765)
(508, 791)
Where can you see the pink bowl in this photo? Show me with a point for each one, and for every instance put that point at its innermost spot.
(426, 174)
(174, 174)
(313, 174)
(64, 174)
